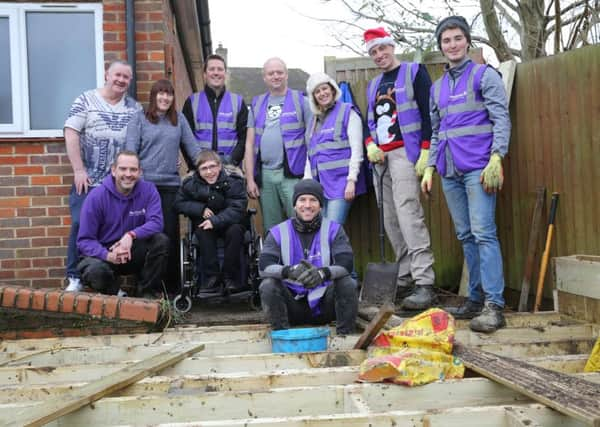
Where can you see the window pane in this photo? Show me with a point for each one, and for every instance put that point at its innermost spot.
(61, 55)
(6, 112)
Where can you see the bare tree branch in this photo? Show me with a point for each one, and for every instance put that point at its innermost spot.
(509, 5)
(512, 22)
(494, 31)
(566, 22)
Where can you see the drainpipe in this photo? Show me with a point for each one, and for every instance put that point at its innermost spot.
(204, 23)
(130, 22)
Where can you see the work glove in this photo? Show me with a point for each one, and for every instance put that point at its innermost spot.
(492, 176)
(216, 200)
(422, 162)
(427, 181)
(292, 272)
(313, 277)
(374, 153)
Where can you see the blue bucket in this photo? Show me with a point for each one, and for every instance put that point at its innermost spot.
(299, 340)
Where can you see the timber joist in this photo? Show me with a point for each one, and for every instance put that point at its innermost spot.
(235, 380)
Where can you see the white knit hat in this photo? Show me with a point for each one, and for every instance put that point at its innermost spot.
(313, 82)
(377, 36)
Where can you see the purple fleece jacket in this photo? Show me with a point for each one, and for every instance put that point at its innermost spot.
(107, 215)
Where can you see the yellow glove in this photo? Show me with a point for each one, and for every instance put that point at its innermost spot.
(374, 153)
(492, 176)
(427, 181)
(422, 162)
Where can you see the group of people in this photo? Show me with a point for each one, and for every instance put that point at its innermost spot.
(301, 156)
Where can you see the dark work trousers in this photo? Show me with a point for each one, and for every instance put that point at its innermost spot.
(340, 303)
(172, 277)
(148, 263)
(232, 262)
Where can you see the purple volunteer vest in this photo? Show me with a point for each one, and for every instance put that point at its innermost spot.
(319, 255)
(227, 137)
(292, 128)
(329, 153)
(409, 117)
(465, 126)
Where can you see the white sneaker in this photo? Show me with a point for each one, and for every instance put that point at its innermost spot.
(121, 293)
(74, 285)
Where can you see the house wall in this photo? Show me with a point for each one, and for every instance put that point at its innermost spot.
(35, 173)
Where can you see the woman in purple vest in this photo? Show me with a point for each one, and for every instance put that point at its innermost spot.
(156, 136)
(335, 150)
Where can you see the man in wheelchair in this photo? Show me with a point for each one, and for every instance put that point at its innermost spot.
(305, 264)
(215, 202)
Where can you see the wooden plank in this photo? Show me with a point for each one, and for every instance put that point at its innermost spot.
(373, 328)
(285, 402)
(579, 275)
(571, 396)
(55, 408)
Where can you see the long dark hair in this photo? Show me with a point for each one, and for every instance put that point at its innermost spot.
(162, 85)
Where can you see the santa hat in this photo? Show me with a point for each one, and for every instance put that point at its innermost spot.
(316, 80)
(377, 36)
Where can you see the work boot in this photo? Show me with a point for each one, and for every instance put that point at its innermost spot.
(422, 298)
(404, 287)
(490, 319)
(467, 310)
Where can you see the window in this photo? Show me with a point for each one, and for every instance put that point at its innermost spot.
(49, 54)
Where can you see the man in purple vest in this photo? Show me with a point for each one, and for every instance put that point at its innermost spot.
(218, 117)
(275, 144)
(398, 120)
(305, 264)
(471, 131)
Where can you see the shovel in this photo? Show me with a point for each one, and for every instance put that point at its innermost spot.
(379, 284)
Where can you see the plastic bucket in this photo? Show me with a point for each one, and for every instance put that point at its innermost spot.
(299, 340)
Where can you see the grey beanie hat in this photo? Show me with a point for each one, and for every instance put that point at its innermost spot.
(308, 186)
(454, 21)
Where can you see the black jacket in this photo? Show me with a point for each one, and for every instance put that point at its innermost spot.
(227, 199)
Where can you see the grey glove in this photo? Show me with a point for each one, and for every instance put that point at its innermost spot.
(293, 272)
(313, 277)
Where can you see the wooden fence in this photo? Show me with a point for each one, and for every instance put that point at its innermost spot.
(555, 110)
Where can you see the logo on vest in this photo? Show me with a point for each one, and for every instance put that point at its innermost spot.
(288, 114)
(225, 114)
(458, 96)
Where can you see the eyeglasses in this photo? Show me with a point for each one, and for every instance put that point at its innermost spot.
(209, 167)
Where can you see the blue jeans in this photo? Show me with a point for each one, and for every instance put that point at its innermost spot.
(336, 210)
(473, 213)
(75, 204)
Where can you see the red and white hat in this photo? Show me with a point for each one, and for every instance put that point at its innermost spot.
(377, 36)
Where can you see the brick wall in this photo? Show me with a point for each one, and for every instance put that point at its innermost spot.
(35, 174)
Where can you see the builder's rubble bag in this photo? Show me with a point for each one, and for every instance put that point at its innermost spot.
(593, 363)
(417, 352)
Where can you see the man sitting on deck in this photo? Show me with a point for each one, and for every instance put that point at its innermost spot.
(305, 264)
(120, 231)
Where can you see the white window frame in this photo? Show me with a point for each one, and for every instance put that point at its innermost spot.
(16, 12)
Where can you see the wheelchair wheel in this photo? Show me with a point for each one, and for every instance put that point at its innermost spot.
(182, 304)
(185, 263)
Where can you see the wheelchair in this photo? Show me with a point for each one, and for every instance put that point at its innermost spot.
(192, 276)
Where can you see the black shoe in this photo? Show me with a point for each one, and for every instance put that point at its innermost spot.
(404, 288)
(232, 287)
(467, 310)
(422, 298)
(490, 319)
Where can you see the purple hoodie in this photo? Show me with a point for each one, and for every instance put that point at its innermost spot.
(107, 215)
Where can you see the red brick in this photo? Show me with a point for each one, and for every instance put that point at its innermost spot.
(31, 212)
(47, 201)
(8, 213)
(142, 311)
(66, 220)
(38, 299)
(6, 149)
(56, 211)
(30, 273)
(24, 298)
(67, 302)
(46, 180)
(156, 56)
(96, 306)
(29, 170)
(45, 242)
(14, 181)
(115, 46)
(52, 300)
(44, 160)
(157, 36)
(47, 283)
(142, 36)
(82, 302)
(8, 296)
(31, 232)
(30, 253)
(31, 191)
(59, 170)
(114, 7)
(7, 274)
(29, 149)
(8, 335)
(59, 231)
(111, 307)
(15, 202)
(13, 160)
(156, 16)
(113, 26)
(16, 263)
(42, 333)
(45, 221)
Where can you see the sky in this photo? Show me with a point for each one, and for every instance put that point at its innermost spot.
(282, 31)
